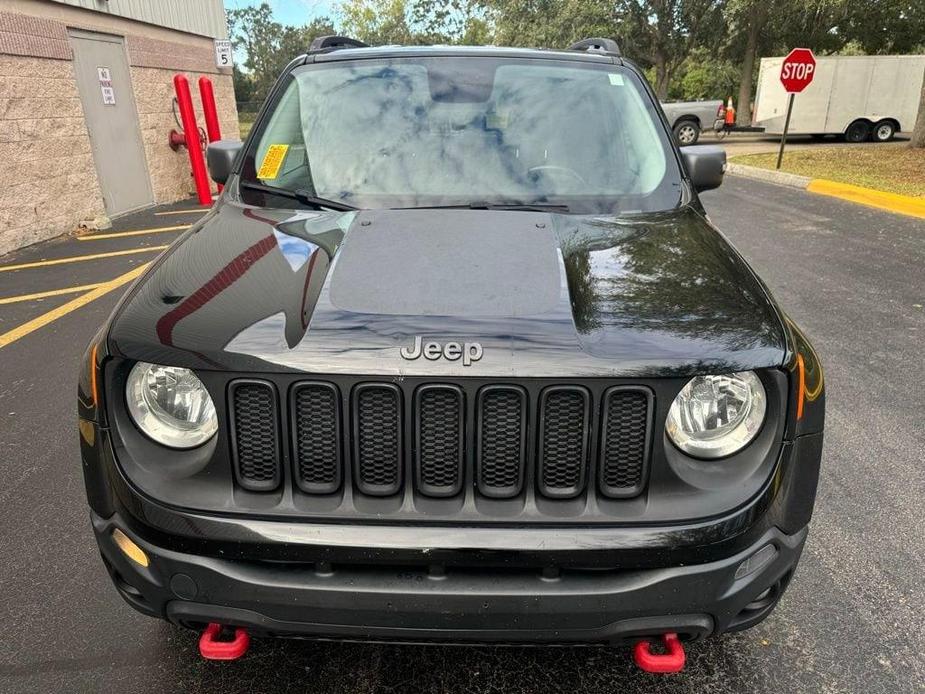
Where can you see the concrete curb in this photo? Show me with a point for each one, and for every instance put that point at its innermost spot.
(891, 202)
(781, 178)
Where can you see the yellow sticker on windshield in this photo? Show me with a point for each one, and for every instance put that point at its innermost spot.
(272, 161)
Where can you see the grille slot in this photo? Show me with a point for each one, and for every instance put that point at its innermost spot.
(501, 440)
(315, 437)
(563, 448)
(255, 445)
(377, 422)
(624, 441)
(439, 442)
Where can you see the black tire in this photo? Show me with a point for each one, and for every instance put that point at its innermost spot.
(883, 131)
(858, 131)
(686, 132)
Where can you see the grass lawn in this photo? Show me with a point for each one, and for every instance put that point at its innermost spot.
(244, 126)
(891, 168)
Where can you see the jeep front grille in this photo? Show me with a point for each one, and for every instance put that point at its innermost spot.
(502, 443)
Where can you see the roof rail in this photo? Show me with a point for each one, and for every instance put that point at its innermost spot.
(333, 42)
(596, 45)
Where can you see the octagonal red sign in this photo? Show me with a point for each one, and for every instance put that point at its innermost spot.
(797, 70)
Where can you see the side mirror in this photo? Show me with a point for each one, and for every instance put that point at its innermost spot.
(220, 156)
(705, 165)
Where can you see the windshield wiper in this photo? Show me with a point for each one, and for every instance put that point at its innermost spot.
(512, 205)
(299, 195)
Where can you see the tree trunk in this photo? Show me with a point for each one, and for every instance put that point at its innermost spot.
(661, 77)
(756, 16)
(918, 132)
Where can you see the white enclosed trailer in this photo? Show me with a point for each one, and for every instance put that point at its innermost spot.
(863, 97)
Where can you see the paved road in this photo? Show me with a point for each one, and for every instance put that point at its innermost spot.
(851, 621)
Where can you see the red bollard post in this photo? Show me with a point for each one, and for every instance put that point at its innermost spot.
(193, 144)
(210, 112)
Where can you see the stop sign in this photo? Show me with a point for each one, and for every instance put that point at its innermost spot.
(797, 70)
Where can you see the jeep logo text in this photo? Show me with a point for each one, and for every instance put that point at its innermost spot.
(451, 351)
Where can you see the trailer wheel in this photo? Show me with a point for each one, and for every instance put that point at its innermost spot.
(883, 131)
(687, 132)
(858, 131)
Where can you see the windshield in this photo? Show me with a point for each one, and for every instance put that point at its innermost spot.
(419, 132)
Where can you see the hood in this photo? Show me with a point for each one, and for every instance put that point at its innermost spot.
(532, 293)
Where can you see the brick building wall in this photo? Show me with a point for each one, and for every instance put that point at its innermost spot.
(48, 179)
(153, 64)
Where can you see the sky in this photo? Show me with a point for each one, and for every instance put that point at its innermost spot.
(292, 12)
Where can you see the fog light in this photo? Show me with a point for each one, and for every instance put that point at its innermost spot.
(129, 548)
(757, 561)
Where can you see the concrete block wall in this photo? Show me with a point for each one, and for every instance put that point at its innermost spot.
(48, 182)
(48, 179)
(170, 171)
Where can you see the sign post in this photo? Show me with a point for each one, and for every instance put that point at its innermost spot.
(796, 74)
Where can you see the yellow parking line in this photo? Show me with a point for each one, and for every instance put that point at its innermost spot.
(79, 258)
(72, 305)
(51, 292)
(201, 210)
(139, 232)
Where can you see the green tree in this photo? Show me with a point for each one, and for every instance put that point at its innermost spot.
(747, 19)
(268, 46)
(664, 32)
(885, 26)
(377, 22)
(704, 75)
(655, 33)
(549, 23)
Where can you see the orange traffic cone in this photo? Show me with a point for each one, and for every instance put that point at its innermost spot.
(730, 113)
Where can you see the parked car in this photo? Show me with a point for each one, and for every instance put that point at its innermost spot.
(689, 118)
(863, 97)
(456, 356)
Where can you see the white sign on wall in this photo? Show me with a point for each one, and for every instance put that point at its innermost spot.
(222, 53)
(105, 78)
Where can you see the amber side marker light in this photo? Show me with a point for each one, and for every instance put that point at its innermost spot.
(129, 548)
(801, 385)
(93, 391)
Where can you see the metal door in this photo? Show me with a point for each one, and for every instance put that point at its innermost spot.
(105, 87)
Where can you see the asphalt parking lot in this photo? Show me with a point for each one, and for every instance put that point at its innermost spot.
(850, 622)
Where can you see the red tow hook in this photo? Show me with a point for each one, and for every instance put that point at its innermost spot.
(671, 661)
(212, 649)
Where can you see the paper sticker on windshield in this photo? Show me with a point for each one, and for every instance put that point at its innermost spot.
(272, 161)
(615, 79)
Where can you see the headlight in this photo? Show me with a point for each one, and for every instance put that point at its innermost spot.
(170, 405)
(715, 416)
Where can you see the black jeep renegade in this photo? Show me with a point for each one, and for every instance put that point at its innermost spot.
(457, 356)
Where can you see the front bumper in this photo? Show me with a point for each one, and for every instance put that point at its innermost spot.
(453, 603)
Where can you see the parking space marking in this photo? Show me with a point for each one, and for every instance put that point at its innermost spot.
(101, 290)
(51, 292)
(79, 258)
(201, 210)
(137, 232)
